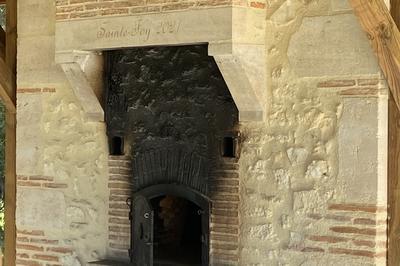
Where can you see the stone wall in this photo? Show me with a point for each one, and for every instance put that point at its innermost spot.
(313, 179)
(312, 187)
(62, 170)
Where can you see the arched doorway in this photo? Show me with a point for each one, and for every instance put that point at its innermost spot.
(170, 226)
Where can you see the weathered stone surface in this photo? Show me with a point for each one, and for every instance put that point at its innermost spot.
(35, 205)
(358, 146)
(331, 45)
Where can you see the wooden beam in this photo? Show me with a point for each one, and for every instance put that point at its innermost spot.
(384, 36)
(6, 85)
(8, 69)
(395, 11)
(11, 36)
(393, 248)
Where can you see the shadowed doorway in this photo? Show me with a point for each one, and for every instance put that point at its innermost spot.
(177, 231)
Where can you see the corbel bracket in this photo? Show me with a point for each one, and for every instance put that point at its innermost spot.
(70, 63)
(243, 68)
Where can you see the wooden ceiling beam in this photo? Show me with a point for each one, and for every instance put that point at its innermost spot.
(384, 36)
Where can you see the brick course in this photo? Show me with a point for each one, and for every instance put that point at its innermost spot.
(360, 232)
(34, 248)
(80, 9)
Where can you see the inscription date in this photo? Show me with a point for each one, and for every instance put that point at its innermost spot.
(140, 29)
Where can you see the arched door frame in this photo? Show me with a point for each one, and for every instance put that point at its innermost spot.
(187, 193)
(176, 190)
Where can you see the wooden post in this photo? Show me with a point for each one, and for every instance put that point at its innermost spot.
(395, 11)
(10, 149)
(393, 184)
(384, 36)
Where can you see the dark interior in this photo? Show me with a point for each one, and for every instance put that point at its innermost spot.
(177, 232)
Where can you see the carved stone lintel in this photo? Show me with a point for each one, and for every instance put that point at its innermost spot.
(70, 63)
(243, 68)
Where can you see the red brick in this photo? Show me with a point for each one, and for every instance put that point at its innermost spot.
(178, 6)
(23, 255)
(353, 230)
(29, 90)
(365, 221)
(31, 233)
(119, 213)
(61, 250)
(120, 206)
(223, 220)
(225, 198)
(116, 198)
(225, 205)
(336, 83)
(224, 238)
(81, 1)
(312, 249)
(364, 243)
(120, 192)
(119, 229)
(338, 217)
(223, 189)
(62, 16)
(315, 216)
(55, 185)
(22, 239)
(225, 257)
(257, 5)
(83, 14)
(67, 9)
(41, 178)
(224, 182)
(360, 91)
(119, 246)
(328, 239)
(114, 11)
(224, 229)
(61, 2)
(44, 241)
(29, 247)
(22, 177)
(45, 257)
(119, 238)
(27, 262)
(98, 6)
(225, 246)
(49, 90)
(119, 221)
(119, 185)
(28, 184)
(225, 213)
(361, 253)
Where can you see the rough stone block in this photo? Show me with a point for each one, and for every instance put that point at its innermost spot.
(35, 205)
(329, 46)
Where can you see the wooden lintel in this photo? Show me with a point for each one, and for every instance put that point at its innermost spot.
(384, 36)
